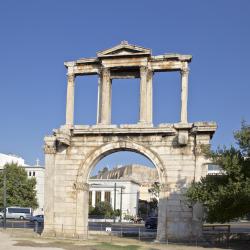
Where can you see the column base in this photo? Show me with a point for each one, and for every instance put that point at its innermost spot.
(180, 232)
(145, 124)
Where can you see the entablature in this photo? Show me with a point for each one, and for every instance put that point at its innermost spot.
(164, 129)
(126, 55)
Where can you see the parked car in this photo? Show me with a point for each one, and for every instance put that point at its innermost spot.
(21, 213)
(151, 222)
(37, 218)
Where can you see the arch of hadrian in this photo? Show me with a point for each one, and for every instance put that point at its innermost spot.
(175, 149)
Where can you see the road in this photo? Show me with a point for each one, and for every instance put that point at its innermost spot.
(237, 227)
(116, 227)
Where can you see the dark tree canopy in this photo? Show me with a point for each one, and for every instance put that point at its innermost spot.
(20, 189)
(226, 196)
(104, 208)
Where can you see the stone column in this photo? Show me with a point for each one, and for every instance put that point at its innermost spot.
(149, 97)
(184, 94)
(104, 116)
(98, 118)
(82, 201)
(102, 195)
(49, 179)
(70, 100)
(145, 96)
(93, 198)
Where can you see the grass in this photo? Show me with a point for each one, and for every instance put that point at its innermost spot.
(109, 246)
(70, 246)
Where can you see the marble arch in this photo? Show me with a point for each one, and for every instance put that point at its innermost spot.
(174, 148)
(94, 157)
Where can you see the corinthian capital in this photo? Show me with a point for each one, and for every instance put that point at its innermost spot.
(50, 145)
(81, 186)
(143, 70)
(105, 72)
(185, 71)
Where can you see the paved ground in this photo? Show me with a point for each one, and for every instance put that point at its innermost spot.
(21, 240)
(8, 243)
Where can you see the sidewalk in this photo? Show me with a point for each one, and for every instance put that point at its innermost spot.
(20, 240)
(7, 243)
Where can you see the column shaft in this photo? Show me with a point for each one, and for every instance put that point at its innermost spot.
(146, 96)
(70, 100)
(49, 186)
(104, 116)
(98, 118)
(149, 97)
(93, 198)
(184, 95)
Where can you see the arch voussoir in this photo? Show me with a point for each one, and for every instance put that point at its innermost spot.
(97, 154)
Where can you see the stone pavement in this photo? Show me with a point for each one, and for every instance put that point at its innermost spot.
(7, 243)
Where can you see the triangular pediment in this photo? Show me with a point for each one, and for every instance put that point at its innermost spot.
(124, 49)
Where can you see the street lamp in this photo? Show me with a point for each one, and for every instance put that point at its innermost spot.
(4, 197)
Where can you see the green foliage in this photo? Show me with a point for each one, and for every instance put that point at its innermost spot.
(226, 196)
(243, 138)
(117, 212)
(153, 204)
(143, 210)
(128, 217)
(155, 189)
(20, 190)
(105, 209)
(91, 209)
(104, 170)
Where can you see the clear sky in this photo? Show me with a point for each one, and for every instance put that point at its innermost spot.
(36, 37)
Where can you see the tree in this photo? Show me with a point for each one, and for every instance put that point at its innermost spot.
(103, 208)
(20, 190)
(226, 196)
(104, 170)
(155, 190)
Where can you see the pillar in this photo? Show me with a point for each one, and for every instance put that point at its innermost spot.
(104, 98)
(70, 100)
(82, 209)
(93, 198)
(102, 195)
(49, 186)
(184, 94)
(145, 95)
(98, 118)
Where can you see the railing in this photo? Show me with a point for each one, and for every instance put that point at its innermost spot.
(213, 234)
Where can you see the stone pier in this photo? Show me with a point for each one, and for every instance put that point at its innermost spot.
(72, 150)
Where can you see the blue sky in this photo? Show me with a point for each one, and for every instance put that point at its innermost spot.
(38, 36)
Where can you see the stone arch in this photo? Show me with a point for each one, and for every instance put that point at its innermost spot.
(93, 157)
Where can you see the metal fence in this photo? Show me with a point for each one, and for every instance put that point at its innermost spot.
(219, 236)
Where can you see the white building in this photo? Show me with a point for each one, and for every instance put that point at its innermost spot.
(36, 171)
(214, 170)
(4, 159)
(126, 198)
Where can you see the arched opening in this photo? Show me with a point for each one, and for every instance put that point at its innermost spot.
(127, 182)
(92, 158)
(128, 192)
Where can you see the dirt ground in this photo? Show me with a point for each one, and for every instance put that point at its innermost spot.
(21, 241)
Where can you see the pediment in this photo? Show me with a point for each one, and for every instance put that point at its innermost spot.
(124, 49)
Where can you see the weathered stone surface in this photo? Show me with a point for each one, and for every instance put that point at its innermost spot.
(176, 171)
(174, 149)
